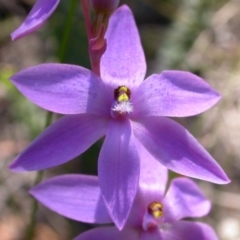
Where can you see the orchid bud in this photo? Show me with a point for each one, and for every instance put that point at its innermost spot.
(104, 6)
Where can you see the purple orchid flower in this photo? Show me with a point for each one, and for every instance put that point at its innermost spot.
(125, 109)
(40, 12)
(153, 215)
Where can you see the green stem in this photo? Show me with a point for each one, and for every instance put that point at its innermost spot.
(62, 53)
(67, 29)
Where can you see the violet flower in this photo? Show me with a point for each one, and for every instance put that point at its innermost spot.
(40, 12)
(153, 215)
(125, 109)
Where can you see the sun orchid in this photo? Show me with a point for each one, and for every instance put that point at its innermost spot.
(153, 215)
(127, 110)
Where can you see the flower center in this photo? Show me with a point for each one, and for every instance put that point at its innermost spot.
(155, 209)
(122, 93)
(122, 104)
(153, 216)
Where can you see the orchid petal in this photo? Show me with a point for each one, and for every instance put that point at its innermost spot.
(118, 170)
(174, 147)
(64, 89)
(184, 199)
(152, 184)
(174, 94)
(109, 233)
(184, 230)
(40, 12)
(151, 235)
(153, 176)
(74, 196)
(62, 141)
(123, 63)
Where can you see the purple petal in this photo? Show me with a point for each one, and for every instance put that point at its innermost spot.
(174, 147)
(152, 184)
(174, 94)
(153, 175)
(123, 63)
(109, 233)
(64, 89)
(184, 199)
(62, 141)
(184, 230)
(151, 235)
(40, 12)
(74, 196)
(119, 169)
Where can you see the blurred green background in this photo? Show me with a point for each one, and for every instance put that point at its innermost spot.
(200, 36)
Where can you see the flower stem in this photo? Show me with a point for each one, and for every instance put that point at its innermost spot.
(87, 18)
(96, 44)
(39, 176)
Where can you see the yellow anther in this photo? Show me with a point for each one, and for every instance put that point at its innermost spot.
(155, 209)
(123, 89)
(123, 98)
(122, 94)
